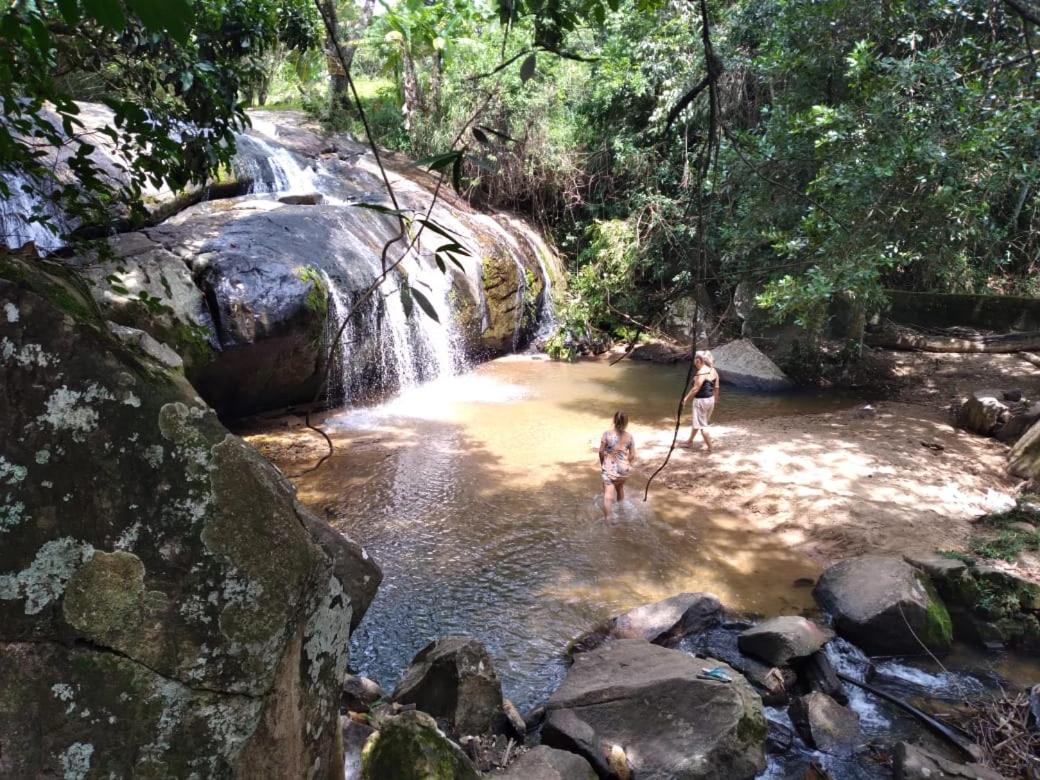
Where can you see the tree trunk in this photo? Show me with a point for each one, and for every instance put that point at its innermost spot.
(339, 88)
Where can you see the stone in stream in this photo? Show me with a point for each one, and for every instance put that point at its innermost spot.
(360, 693)
(409, 746)
(651, 703)
(780, 640)
(884, 605)
(454, 680)
(910, 762)
(825, 724)
(741, 364)
(164, 611)
(663, 622)
(772, 683)
(546, 763)
(820, 675)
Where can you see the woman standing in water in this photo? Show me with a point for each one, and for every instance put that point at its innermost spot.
(617, 453)
(705, 392)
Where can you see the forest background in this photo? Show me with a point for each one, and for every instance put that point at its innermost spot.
(813, 150)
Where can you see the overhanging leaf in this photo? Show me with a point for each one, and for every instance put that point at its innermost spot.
(528, 67)
(425, 305)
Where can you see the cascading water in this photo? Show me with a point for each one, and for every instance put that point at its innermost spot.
(17, 226)
(273, 169)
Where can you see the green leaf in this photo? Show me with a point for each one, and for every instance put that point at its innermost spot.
(528, 66)
(480, 135)
(501, 135)
(425, 305)
(406, 299)
(171, 16)
(429, 224)
(69, 11)
(456, 174)
(108, 12)
(438, 162)
(403, 213)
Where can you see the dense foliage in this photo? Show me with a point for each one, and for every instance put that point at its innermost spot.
(173, 72)
(813, 149)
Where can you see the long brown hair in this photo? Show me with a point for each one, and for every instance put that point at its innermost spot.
(620, 420)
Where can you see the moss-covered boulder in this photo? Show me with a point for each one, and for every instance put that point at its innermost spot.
(885, 605)
(409, 746)
(164, 610)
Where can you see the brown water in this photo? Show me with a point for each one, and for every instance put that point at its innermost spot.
(480, 499)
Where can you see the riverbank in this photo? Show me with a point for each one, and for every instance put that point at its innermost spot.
(888, 476)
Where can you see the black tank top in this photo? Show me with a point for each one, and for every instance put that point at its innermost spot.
(707, 387)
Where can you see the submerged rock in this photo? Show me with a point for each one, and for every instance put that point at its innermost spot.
(741, 364)
(780, 640)
(884, 605)
(454, 680)
(545, 763)
(910, 762)
(409, 746)
(651, 703)
(164, 611)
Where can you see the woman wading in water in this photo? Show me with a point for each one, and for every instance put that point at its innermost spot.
(705, 392)
(617, 453)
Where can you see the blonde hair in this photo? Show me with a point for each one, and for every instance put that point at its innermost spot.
(706, 357)
(620, 420)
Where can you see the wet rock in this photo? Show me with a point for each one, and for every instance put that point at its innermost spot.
(881, 603)
(1024, 460)
(982, 412)
(825, 724)
(309, 199)
(409, 746)
(779, 738)
(163, 610)
(650, 701)
(359, 693)
(355, 737)
(454, 680)
(819, 674)
(356, 571)
(545, 763)
(772, 683)
(663, 622)
(741, 364)
(534, 718)
(780, 640)
(910, 762)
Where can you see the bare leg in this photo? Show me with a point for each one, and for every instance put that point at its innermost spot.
(693, 435)
(619, 488)
(608, 500)
(707, 438)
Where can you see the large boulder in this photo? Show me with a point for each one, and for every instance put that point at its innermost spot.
(353, 567)
(910, 762)
(1025, 455)
(741, 364)
(983, 412)
(780, 640)
(164, 611)
(884, 605)
(824, 724)
(454, 680)
(546, 763)
(1023, 417)
(653, 703)
(409, 746)
(663, 622)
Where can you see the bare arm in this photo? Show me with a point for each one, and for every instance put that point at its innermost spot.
(698, 380)
(718, 381)
(631, 450)
(602, 448)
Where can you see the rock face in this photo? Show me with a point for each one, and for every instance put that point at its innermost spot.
(825, 724)
(880, 602)
(409, 746)
(1025, 455)
(663, 622)
(983, 412)
(545, 763)
(780, 640)
(741, 364)
(910, 762)
(650, 701)
(249, 289)
(454, 680)
(164, 611)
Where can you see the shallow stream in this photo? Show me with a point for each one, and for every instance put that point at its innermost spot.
(479, 495)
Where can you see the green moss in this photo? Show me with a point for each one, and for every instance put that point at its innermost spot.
(938, 626)
(410, 747)
(752, 730)
(103, 599)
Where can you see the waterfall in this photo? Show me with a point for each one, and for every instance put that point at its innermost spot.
(16, 211)
(273, 169)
